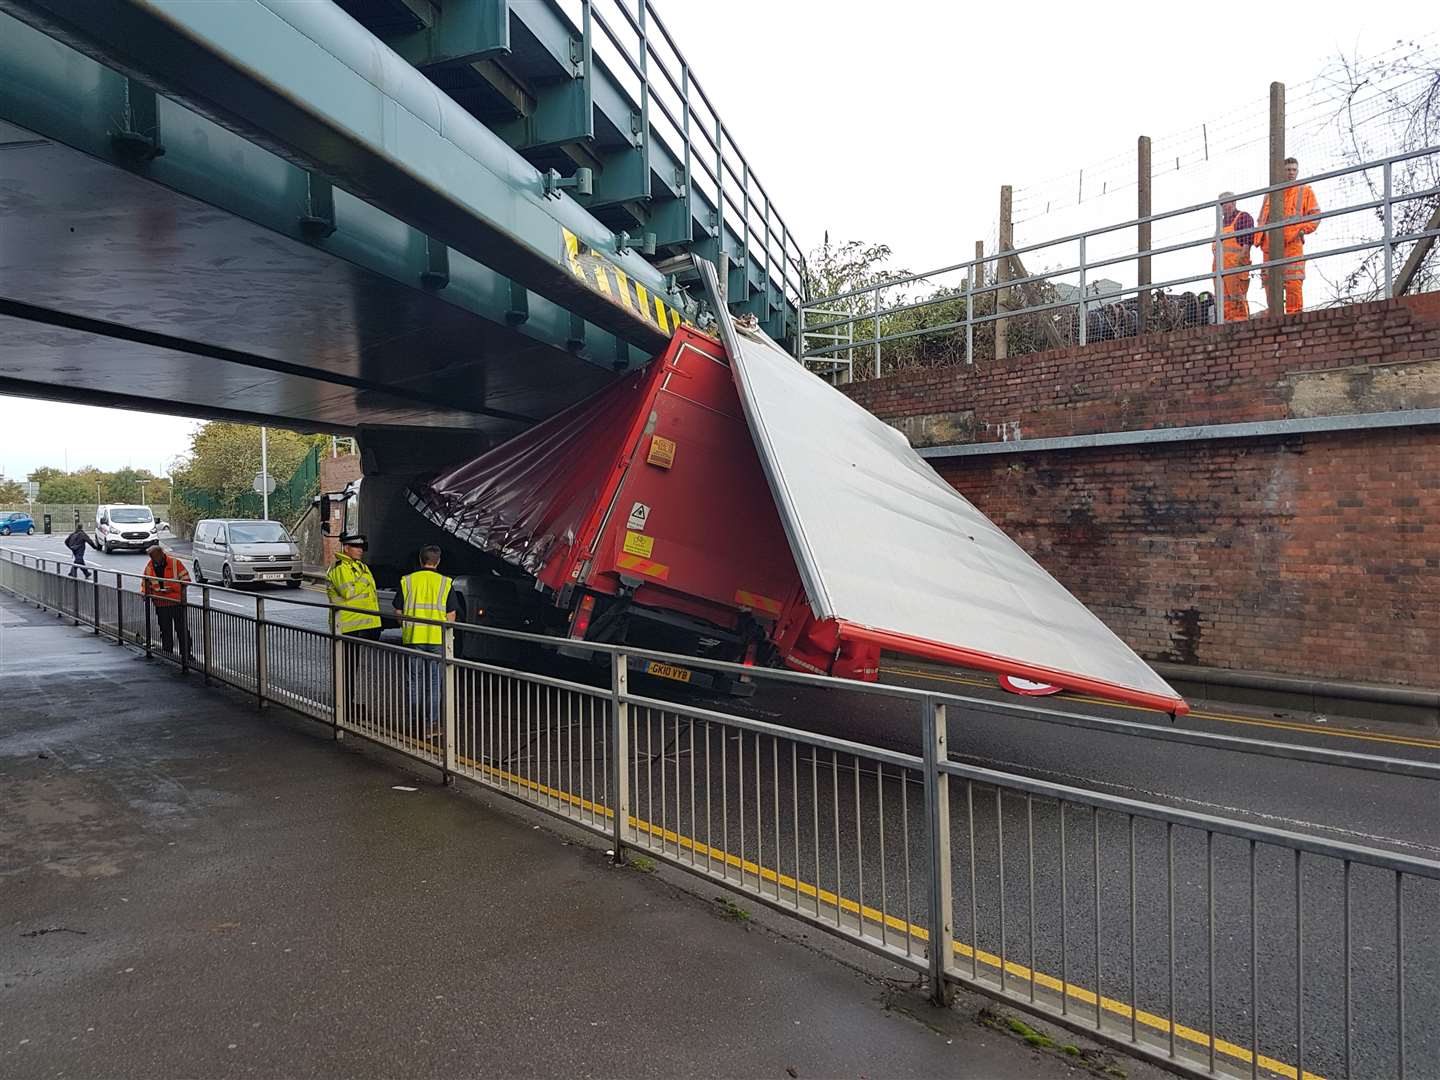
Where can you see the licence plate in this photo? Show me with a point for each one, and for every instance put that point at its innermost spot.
(667, 671)
(271, 577)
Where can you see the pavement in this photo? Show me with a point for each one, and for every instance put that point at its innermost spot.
(189, 887)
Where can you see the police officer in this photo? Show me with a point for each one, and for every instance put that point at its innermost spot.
(350, 585)
(426, 594)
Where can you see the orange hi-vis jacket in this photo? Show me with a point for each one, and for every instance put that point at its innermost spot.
(1299, 201)
(1237, 251)
(165, 592)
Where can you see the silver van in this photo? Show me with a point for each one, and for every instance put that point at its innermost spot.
(236, 552)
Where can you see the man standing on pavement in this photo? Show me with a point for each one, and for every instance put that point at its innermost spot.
(426, 594)
(350, 584)
(1237, 232)
(1298, 201)
(76, 542)
(164, 585)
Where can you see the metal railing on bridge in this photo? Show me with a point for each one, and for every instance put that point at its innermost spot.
(966, 306)
(1215, 946)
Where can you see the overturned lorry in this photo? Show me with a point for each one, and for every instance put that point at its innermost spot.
(725, 503)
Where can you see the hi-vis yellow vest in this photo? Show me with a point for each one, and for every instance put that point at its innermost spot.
(423, 595)
(351, 584)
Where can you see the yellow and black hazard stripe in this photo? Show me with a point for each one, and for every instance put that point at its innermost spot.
(600, 274)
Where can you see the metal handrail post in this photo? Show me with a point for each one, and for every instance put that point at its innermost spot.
(205, 632)
(119, 609)
(1218, 261)
(1084, 299)
(96, 581)
(183, 644)
(970, 314)
(261, 660)
(937, 822)
(447, 702)
(338, 678)
(800, 334)
(1389, 234)
(875, 307)
(148, 605)
(620, 749)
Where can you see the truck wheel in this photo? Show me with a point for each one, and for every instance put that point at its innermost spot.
(225, 578)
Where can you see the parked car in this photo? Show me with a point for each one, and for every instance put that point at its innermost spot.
(17, 522)
(120, 527)
(238, 552)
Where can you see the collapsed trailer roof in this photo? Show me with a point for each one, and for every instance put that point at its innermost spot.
(900, 558)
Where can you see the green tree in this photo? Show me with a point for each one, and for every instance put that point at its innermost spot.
(45, 473)
(66, 489)
(216, 476)
(11, 493)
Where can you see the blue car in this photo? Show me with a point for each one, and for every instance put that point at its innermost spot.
(16, 522)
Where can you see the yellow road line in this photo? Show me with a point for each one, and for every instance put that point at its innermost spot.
(866, 913)
(1282, 725)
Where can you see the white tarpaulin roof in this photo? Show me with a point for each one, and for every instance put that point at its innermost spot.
(884, 544)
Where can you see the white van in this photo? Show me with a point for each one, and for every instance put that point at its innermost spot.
(121, 527)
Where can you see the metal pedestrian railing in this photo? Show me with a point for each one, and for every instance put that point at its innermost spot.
(1058, 300)
(1213, 945)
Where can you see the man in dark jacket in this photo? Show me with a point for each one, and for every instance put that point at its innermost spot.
(76, 542)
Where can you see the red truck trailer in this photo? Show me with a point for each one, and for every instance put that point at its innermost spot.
(643, 516)
(725, 503)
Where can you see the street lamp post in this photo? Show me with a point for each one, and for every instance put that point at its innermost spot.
(143, 484)
(264, 478)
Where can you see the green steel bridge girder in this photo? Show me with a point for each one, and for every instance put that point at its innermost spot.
(315, 88)
(50, 89)
(576, 104)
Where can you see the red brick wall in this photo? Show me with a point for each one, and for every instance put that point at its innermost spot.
(1315, 555)
(335, 473)
(1207, 375)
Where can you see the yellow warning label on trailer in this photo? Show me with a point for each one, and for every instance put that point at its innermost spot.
(662, 452)
(639, 544)
(610, 281)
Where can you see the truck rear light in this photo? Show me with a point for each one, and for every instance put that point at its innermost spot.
(580, 622)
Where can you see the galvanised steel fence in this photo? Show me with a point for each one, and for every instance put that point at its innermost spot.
(1214, 946)
(1379, 241)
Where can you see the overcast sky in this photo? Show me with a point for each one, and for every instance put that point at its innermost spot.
(900, 123)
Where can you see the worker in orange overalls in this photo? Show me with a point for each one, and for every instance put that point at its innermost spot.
(1237, 234)
(164, 585)
(1299, 201)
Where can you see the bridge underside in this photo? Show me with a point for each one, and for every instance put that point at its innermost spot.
(118, 291)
